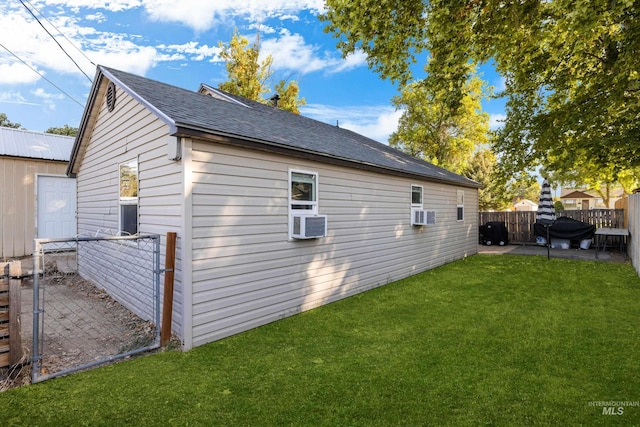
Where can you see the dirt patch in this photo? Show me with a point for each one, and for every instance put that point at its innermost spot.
(82, 325)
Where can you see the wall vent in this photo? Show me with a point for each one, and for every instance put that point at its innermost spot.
(111, 96)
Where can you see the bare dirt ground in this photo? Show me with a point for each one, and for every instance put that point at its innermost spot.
(82, 324)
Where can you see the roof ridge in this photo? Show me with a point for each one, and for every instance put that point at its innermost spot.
(192, 113)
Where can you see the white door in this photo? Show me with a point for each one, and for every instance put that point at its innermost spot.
(56, 216)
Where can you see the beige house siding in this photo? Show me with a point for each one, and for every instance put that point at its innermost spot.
(246, 271)
(18, 202)
(237, 268)
(127, 133)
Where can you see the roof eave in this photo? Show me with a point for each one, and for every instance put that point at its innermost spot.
(273, 147)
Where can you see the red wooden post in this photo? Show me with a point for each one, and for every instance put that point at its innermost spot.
(167, 306)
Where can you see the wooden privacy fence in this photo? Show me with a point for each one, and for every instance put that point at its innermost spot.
(520, 223)
(633, 246)
(624, 204)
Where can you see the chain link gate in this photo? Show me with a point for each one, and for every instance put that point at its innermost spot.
(95, 300)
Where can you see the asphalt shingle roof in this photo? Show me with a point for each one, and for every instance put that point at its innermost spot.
(184, 109)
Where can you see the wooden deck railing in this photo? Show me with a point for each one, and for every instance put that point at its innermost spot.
(520, 223)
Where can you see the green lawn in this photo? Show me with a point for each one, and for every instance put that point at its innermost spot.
(498, 340)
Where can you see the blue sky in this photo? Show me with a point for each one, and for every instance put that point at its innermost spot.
(176, 42)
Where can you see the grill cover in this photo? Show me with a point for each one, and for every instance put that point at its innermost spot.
(494, 233)
(566, 228)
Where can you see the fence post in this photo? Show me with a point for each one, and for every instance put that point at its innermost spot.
(5, 316)
(15, 340)
(36, 357)
(167, 303)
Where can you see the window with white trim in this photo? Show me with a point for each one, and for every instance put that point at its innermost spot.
(303, 192)
(460, 205)
(416, 196)
(128, 198)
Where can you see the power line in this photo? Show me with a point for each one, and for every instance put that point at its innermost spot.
(55, 40)
(38, 73)
(61, 33)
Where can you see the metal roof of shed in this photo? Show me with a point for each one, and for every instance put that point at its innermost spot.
(35, 145)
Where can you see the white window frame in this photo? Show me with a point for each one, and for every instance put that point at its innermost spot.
(311, 204)
(128, 200)
(421, 204)
(459, 205)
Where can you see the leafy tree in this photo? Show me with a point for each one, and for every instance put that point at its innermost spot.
(494, 196)
(558, 206)
(65, 130)
(602, 180)
(572, 81)
(288, 96)
(248, 77)
(524, 186)
(428, 129)
(5, 122)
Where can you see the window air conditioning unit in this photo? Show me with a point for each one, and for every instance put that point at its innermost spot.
(309, 226)
(422, 217)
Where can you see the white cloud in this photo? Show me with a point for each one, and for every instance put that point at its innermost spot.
(262, 29)
(375, 122)
(119, 50)
(355, 60)
(201, 15)
(496, 120)
(38, 49)
(128, 51)
(132, 58)
(195, 51)
(291, 52)
(97, 17)
(14, 98)
(49, 99)
(16, 73)
(292, 18)
(380, 129)
(112, 5)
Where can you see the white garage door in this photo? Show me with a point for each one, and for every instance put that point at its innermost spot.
(56, 216)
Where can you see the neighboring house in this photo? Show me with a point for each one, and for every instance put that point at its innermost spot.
(28, 161)
(577, 200)
(242, 184)
(573, 199)
(525, 205)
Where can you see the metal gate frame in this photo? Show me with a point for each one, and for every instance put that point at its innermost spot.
(39, 312)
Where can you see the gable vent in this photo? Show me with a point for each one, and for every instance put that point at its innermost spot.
(111, 96)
